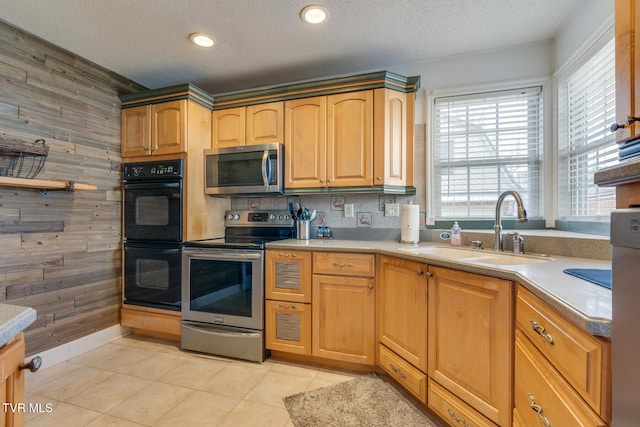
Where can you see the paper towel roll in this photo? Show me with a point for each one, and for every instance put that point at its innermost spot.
(410, 218)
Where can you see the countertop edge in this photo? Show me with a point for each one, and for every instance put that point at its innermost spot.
(593, 325)
(13, 320)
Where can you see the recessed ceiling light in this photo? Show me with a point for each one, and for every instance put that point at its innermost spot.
(314, 14)
(202, 40)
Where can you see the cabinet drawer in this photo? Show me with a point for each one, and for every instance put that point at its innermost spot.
(581, 358)
(344, 264)
(409, 377)
(453, 410)
(541, 393)
(288, 275)
(288, 326)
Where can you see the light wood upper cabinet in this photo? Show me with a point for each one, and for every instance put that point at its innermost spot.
(402, 309)
(305, 142)
(393, 137)
(228, 127)
(155, 129)
(350, 139)
(627, 17)
(255, 124)
(329, 141)
(471, 340)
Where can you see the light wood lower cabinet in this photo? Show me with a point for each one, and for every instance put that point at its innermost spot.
(12, 392)
(344, 307)
(288, 304)
(412, 379)
(453, 410)
(471, 340)
(542, 396)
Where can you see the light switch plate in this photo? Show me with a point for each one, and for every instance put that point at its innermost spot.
(391, 209)
(348, 210)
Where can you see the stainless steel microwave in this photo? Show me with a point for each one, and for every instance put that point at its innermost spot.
(245, 170)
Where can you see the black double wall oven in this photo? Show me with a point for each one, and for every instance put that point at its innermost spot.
(153, 204)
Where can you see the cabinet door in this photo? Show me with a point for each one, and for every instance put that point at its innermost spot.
(288, 275)
(168, 127)
(305, 142)
(350, 139)
(265, 123)
(136, 131)
(627, 16)
(12, 389)
(288, 326)
(228, 127)
(393, 138)
(471, 339)
(402, 309)
(343, 318)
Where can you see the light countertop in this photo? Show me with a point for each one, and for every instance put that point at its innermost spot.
(585, 304)
(13, 320)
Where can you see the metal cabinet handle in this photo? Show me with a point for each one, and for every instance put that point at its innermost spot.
(539, 329)
(344, 264)
(33, 365)
(426, 274)
(287, 306)
(538, 409)
(398, 371)
(370, 286)
(287, 255)
(457, 419)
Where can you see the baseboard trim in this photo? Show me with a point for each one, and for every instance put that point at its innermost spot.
(67, 351)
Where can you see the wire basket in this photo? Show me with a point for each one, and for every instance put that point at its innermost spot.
(19, 159)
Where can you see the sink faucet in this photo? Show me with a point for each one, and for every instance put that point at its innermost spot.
(522, 217)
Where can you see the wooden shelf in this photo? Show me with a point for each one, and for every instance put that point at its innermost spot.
(45, 184)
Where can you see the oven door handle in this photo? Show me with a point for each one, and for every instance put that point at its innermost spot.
(266, 168)
(224, 256)
(152, 185)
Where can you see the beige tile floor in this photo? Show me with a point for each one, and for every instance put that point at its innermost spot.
(136, 381)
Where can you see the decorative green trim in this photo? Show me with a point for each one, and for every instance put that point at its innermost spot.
(171, 93)
(330, 86)
(382, 189)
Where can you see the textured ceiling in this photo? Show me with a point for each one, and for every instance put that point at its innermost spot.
(264, 42)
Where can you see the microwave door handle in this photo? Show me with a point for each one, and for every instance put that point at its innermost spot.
(266, 168)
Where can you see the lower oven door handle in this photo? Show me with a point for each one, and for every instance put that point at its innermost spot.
(231, 256)
(224, 333)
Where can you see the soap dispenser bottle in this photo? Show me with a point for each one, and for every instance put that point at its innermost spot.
(456, 237)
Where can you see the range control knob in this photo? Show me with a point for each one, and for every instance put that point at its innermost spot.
(236, 217)
(230, 217)
(272, 217)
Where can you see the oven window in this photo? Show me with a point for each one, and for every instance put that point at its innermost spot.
(221, 287)
(152, 273)
(152, 210)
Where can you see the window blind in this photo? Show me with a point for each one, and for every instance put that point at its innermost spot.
(485, 144)
(587, 102)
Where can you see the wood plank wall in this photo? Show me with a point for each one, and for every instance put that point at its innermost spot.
(60, 253)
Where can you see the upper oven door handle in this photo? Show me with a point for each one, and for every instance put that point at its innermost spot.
(266, 168)
(152, 185)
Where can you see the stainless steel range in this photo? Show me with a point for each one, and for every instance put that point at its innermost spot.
(223, 285)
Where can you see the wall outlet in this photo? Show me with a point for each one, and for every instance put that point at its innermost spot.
(391, 209)
(348, 210)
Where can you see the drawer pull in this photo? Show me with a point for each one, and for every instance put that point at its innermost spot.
(344, 264)
(538, 409)
(287, 306)
(456, 418)
(287, 255)
(33, 365)
(539, 329)
(398, 371)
